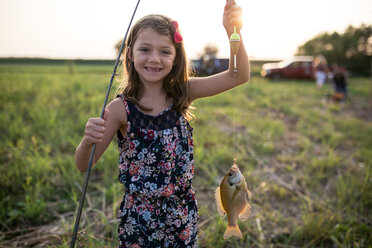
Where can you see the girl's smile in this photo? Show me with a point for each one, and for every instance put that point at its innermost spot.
(153, 56)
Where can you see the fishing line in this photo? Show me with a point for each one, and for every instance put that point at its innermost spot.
(234, 113)
(87, 175)
(234, 44)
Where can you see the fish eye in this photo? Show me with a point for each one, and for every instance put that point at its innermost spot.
(231, 184)
(230, 174)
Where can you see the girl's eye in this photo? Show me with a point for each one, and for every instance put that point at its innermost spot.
(144, 50)
(166, 52)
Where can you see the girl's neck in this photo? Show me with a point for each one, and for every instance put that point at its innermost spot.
(155, 98)
(153, 90)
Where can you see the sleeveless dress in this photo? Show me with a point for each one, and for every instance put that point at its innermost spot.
(156, 166)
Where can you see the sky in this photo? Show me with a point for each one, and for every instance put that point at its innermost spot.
(89, 29)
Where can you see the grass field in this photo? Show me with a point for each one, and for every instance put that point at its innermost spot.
(308, 164)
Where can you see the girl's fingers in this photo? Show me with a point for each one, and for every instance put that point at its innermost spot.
(98, 121)
(229, 3)
(98, 128)
(93, 137)
(96, 132)
(92, 122)
(234, 11)
(96, 135)
(233, 16)
(236, 20)
(95, 129)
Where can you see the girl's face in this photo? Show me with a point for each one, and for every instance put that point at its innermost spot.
(153, 55)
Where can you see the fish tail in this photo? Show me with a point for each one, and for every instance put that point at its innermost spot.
(232, 231)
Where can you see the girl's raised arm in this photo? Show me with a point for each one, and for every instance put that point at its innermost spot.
(215, 84)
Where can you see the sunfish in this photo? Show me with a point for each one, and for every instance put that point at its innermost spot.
(232, 198)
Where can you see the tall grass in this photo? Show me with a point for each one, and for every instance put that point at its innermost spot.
(307, 164)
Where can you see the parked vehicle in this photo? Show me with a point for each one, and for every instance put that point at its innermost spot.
(298, 67)
(210, 66)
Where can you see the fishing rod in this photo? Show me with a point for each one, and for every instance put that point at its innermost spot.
(90, 163)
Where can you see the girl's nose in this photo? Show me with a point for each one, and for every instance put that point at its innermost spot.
(154, 57)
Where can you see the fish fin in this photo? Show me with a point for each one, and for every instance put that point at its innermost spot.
(244, 215)
(236, 192)
(220, 209)
(232, 231)
(248, 195)
(246, 212)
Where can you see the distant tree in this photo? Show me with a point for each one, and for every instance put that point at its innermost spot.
(210, 52)
(351, 49)
(208, 63)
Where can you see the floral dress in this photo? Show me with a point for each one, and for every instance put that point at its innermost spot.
(156, 166)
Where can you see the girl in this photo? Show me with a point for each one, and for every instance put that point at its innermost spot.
(150, 118)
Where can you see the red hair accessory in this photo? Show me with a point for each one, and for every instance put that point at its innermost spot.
(177, 36)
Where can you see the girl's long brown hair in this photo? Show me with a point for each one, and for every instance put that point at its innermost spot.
(175, 84)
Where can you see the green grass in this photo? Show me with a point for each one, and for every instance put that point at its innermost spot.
(308, 164)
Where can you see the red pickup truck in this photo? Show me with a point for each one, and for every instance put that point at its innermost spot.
(298, 67)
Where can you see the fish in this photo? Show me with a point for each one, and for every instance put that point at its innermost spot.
(232, 198)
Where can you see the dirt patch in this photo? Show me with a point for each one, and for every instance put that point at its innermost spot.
(355, 107)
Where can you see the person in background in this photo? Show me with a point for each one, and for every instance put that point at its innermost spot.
(320, 70)
(339, 84)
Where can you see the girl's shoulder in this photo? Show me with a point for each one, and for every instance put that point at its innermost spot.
(117, 110)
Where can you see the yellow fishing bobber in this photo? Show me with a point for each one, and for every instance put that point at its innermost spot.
(234, 45)
(234, 42)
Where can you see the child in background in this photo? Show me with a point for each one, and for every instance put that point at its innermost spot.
(320, 70)
(150, 119)
(339, 84)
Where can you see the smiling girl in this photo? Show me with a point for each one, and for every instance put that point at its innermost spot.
(151, 120)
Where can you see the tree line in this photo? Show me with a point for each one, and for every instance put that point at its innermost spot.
(352, 49)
